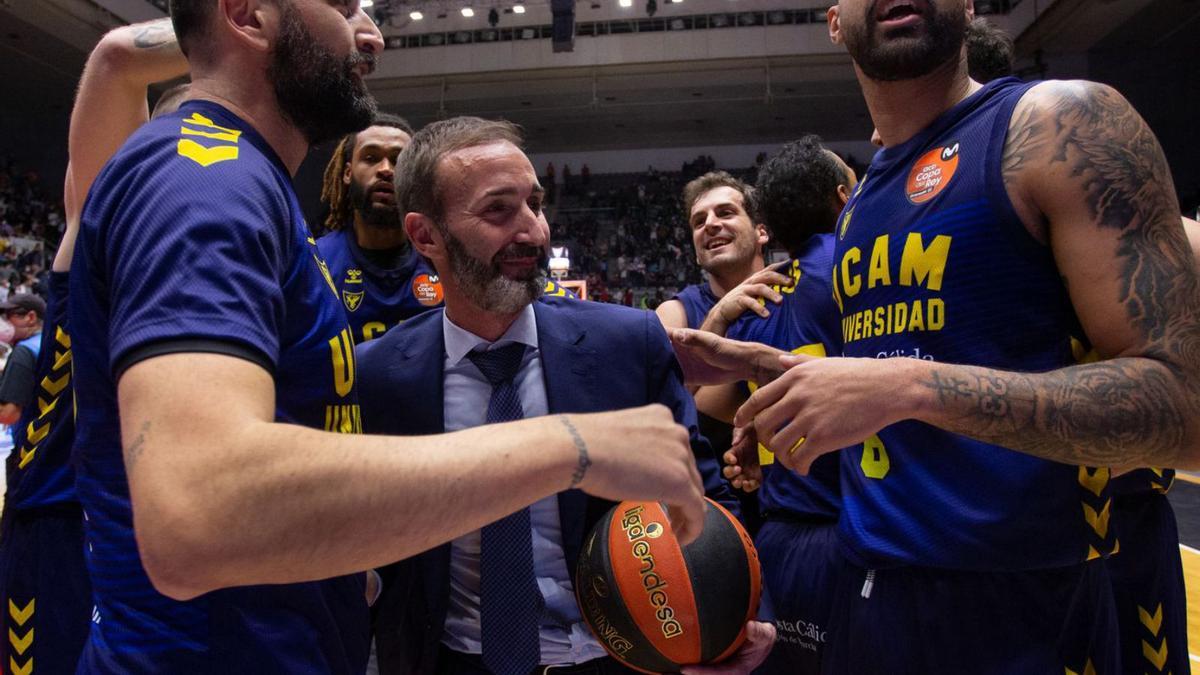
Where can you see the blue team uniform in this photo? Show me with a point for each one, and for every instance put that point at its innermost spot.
(44, 577)
(377, 298)
(797, 543)
(697, 300)
(970, 557)
(1147, 575)
(203, 188)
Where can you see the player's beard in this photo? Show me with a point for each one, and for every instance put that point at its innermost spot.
(375, 215)
(484, 283)
(316, 90)
(908, 52)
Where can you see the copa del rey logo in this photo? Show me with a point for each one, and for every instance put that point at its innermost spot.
(932, 173)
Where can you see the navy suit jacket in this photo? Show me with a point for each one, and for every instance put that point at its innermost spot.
(595, 357)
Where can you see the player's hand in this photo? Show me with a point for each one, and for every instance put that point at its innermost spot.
(741, 460)
(707, 359)
(822, 404)
(643, 454)
(760, 637)
(749, 296)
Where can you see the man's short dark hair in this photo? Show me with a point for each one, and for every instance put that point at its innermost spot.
(989, 51)
(697, 188)
(797, 190)
(190, 19)
(417, 190)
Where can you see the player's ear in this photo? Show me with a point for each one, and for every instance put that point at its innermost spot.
(254, 23)
(423, 234)
(346, 174)
(970, 7)
(835, 25)
(843, 195)
(762, 234)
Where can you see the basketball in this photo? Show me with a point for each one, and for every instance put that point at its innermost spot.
(655, 605)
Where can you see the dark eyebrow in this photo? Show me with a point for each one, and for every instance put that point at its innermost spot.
(506, 191)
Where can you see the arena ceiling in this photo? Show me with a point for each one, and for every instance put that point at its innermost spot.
(618, 105)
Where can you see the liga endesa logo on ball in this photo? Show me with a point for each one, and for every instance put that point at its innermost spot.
(654, 585)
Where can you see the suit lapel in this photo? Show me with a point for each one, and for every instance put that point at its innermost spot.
(568, 365)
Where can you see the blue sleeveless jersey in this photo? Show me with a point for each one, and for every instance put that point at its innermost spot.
(698, 300)
(933, 263)
(39, 473)
(806, 322)
(192, 232)
(377, 298)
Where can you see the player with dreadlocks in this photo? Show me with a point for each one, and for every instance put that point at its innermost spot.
(379, 278)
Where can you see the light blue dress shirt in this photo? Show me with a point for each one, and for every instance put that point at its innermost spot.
(564, 637)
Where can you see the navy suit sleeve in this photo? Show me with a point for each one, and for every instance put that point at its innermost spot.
(666, 387)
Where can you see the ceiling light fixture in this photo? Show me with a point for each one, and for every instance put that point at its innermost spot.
(518, 9)
(625, 3)
(468, 12)
(416, 16)
(366, 3)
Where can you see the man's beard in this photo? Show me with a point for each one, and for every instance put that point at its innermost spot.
(316, 90)
(910, 56)
(375, 215)
(486, 286)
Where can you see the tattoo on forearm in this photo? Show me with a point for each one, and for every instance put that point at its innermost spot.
(1127, 411)
(154, 34)
(133, 451)
(582, 467)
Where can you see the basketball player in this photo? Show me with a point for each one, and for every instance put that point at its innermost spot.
(380, 279)
(473, 206)
(998, 222)
(800, 192)
(729, 243)
(44, 577)
(227, 527)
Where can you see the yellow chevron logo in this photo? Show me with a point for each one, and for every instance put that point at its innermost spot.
(206, 156)
(216, 135)
(55, 386)
(26, 669)
(21, 615)
(26, 456)
(1098, 521)
(1152, 622)
(61, 359)
(1088, 669)
(61, 337)
(1156, 656)
(201, 121)
(20, 644)
(46, 408)
(1094, 479)
(34, 434)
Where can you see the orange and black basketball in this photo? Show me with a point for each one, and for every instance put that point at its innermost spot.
(655, 605)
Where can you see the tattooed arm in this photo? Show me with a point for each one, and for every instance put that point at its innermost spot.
(1087, 176)
(1084, 168)
(111, 101)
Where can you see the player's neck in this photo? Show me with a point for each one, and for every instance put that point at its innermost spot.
(900, 110)
(476, 320)
(373, 238)
(721, 281)
(245, 99)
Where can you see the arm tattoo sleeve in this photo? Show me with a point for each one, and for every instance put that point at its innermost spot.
(1131, 411)
(154, 35)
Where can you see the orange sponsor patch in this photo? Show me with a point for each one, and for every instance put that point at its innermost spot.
(427, 289)
(932, 173)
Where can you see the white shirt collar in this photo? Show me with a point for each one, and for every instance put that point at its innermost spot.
(460, 342)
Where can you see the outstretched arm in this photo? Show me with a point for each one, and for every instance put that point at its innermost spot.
(110, 105)
(1084, 169)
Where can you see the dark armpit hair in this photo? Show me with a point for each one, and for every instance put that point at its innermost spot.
(797, 188)
(417, 190)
